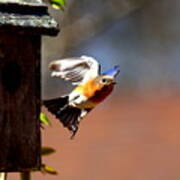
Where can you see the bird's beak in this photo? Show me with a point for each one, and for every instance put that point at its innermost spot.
(115, 75)
(113, 82)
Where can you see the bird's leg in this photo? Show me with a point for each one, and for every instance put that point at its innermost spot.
(69, 103)
(64, 107)
(74, 130)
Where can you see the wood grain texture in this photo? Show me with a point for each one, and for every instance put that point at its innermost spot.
(29, 15)
(19, 102)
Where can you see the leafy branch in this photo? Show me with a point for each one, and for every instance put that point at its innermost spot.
(45, 151)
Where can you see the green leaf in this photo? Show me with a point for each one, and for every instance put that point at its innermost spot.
(58, 4)
(48, 169)
(62, 2)
(44, 120)
(55, 6)
(47, 151)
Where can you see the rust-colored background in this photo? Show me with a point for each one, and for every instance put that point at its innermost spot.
(128, 137)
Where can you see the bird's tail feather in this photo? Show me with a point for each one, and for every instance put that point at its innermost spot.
(55, 105)
(69, 116)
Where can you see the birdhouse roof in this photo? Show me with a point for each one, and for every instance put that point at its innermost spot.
(27, 15)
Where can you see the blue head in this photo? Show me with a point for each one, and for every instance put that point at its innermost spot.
(107, 79)
(112, 72)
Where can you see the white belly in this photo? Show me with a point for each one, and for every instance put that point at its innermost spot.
(80, 101)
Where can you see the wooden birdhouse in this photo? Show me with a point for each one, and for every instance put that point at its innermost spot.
(22, 23)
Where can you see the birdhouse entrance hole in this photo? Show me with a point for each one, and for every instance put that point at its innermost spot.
(11, 76)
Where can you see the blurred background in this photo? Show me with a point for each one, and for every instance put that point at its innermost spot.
(135, 133)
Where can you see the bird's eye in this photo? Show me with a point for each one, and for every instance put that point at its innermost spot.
(104, 80)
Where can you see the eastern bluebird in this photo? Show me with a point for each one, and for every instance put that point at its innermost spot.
(92, 87)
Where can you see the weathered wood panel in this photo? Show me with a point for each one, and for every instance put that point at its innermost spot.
(19, 101)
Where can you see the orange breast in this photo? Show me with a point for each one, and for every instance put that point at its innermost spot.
(94, 92)
(88, 89)
(100, 95)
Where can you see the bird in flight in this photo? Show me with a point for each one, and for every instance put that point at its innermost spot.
(92, 87)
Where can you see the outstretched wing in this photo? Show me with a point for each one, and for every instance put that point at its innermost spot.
(77, 70)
